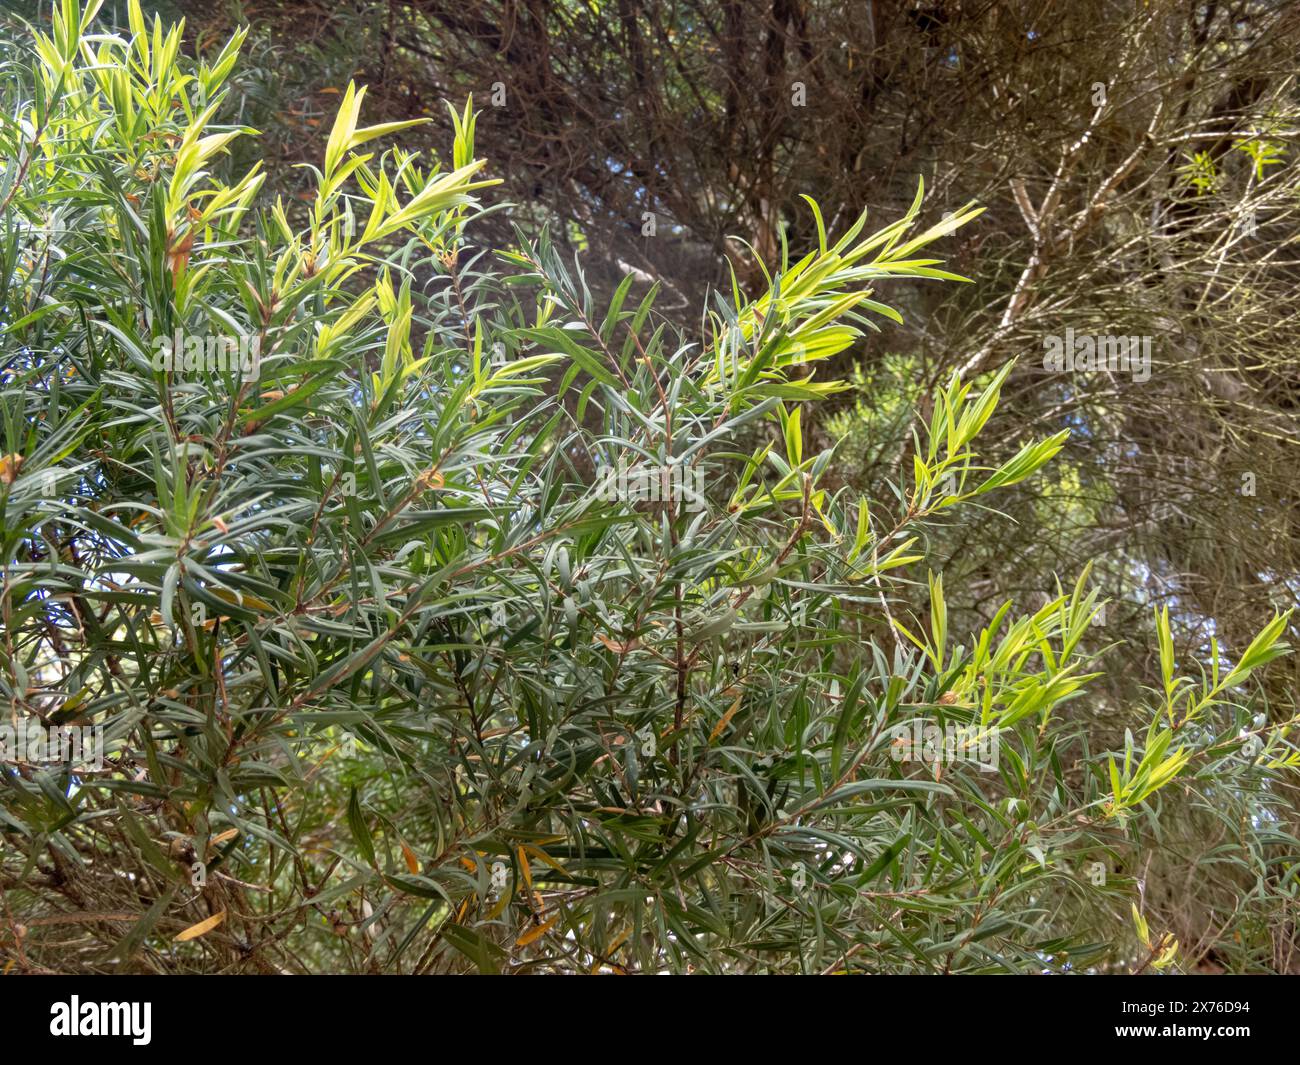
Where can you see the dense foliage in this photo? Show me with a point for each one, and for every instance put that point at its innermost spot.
(440, 615)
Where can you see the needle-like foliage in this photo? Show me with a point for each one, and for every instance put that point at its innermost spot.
(439, 618)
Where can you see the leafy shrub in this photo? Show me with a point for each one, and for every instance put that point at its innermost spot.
(438, 618)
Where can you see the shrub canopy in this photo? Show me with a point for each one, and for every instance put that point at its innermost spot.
(439, 617)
